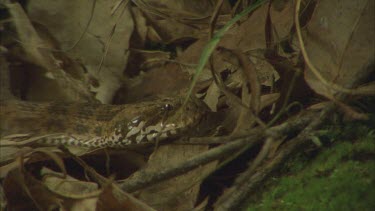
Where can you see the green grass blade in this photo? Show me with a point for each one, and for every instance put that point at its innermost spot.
(211, 45)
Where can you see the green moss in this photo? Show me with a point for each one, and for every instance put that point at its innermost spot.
(339, 177)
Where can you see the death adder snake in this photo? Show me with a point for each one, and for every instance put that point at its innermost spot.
(97, 125)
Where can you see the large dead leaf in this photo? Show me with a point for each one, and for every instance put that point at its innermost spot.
(167, 80)
(102, 49)
(250, 34)
(178, 193)
(24, 192)
(176, 20)
(48, 73)
(339, 40)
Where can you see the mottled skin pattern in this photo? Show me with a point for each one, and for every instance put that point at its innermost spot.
(97, 125)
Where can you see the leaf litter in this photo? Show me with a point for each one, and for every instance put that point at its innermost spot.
(122, 52)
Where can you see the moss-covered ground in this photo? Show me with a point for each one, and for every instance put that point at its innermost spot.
(340, 175)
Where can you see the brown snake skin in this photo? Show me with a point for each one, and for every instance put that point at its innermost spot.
(97, 125)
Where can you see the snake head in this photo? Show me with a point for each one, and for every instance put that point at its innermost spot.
(186, 115)
(157, 121)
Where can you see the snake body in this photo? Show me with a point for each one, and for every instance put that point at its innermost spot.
(97, 125)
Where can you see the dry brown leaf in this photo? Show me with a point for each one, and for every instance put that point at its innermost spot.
(67, 186)
(8, 160)
(177, 20)
(340, 43)
(212, 97)
(281, 14)
(140, 26)
(178, 193)
(246, 118)
(184, 9)
(190, 57)
(268, 99)
(24, 192)
(111, 197)
(266, 72)
(5, 85)
(107, 37)
(167, 80)
(114, 198)
(48, 75)
(250, 34)
(147, 60)
(173, 31)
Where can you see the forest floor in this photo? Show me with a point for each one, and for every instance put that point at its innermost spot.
(338, 176)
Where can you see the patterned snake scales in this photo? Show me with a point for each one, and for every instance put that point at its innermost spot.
(96, 125)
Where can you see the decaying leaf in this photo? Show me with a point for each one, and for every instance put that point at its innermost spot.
(339, 41)
(179, 193)
(121, 52)
(50, 76)
(103, 47)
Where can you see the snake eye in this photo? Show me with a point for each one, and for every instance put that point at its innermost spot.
(134, 122)
(167, 107)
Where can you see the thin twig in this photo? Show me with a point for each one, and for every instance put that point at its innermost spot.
(151, 177)
(119, 194)
(248, 181)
